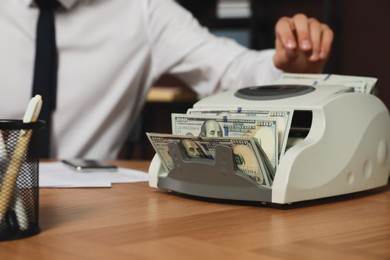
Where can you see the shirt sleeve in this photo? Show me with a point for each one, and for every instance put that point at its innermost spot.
(180, 46)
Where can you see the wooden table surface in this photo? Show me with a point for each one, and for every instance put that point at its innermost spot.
(134, 221)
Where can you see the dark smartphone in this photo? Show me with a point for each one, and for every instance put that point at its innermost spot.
(86, 165)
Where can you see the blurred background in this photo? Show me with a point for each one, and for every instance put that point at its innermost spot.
(362, 33)
(362, 39)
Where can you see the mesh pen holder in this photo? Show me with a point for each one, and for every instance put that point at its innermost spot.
(19, 179)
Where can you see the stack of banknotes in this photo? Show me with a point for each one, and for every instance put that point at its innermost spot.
(257, 138)
(359, 84)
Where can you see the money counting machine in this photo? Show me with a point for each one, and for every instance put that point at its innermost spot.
(345, 147)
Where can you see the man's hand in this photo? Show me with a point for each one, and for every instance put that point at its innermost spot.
(302, 44)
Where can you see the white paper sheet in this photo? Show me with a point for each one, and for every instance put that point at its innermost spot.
(58, 175)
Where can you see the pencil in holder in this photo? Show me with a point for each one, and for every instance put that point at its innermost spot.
(19, 179)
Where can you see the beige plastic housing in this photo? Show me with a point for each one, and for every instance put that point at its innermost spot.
(346, 150)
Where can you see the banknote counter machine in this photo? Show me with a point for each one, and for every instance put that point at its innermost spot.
(345, 147)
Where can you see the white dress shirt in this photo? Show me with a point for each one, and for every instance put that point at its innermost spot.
(110, 53)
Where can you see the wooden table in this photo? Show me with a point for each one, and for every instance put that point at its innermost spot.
(133, 221)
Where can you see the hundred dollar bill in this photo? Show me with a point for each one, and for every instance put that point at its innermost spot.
(282, 116)
(160, 144)
(245, 152)
(269, 169)
(263, 129)
(359, 84)
(368, 82)
(248, 160)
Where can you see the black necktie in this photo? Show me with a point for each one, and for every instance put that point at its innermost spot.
(45, 70)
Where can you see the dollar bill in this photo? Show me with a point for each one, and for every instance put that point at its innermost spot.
(245, 152)
(248, 160)
(282, 116)
(160, 144)
(368, 83)
(263, 129)
(269, 169)
(359, 84)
